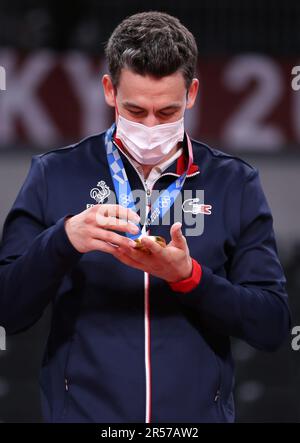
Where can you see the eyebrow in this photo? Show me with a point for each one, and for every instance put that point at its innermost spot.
(133, 105)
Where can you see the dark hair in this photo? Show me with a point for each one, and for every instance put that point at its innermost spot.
(153, 43)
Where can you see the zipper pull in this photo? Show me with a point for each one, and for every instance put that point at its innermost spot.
(66, 384)
(148, 193)
(218, 395)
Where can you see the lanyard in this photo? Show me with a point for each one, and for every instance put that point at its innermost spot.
(123, 190)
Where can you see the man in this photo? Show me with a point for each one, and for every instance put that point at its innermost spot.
(142, 334)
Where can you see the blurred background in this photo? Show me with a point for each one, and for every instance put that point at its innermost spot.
(52, 52)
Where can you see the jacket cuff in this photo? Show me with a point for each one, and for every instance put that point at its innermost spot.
(191, 282)
(61, 243)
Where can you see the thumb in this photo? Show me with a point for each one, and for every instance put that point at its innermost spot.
(178, 238)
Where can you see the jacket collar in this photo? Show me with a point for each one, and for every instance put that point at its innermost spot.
(176, 168)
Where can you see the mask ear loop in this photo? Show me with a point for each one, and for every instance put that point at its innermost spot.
(116, 108)
(187, 99)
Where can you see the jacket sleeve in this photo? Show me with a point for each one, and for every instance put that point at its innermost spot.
(33, 257)
(251, 302)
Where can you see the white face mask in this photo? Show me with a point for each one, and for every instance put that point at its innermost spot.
(149, 145)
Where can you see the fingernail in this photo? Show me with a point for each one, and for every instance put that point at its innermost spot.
(132, 243)
(136, 217)
(134, 229)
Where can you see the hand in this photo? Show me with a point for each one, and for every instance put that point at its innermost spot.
(93, 228)
(171, 263)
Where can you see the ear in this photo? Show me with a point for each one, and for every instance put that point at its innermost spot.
(192, 93)
(109, 90)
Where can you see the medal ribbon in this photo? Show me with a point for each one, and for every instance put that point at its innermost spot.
(123, 190)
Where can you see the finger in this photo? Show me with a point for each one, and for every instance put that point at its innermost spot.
(99, 245)
(151, 245)
(178, 238)
(120, 212)
(122, 256)
(142, 257)
(113, 237)
(108, 222)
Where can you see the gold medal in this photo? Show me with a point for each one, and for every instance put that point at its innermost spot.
(156, 238)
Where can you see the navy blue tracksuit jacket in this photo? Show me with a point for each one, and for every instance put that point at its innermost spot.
(94, 363)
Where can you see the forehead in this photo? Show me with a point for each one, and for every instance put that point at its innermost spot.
(145, 88)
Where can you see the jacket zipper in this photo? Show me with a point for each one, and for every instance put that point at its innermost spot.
(147, 322)
(148, 373)
(147, 356)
